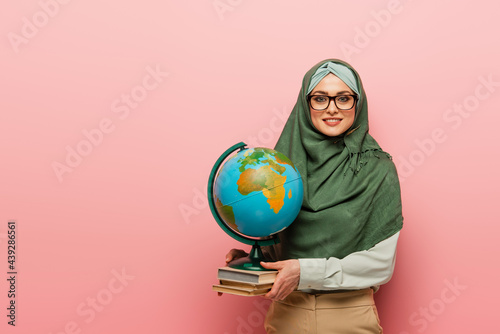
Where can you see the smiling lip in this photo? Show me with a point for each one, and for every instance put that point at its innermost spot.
(332, 121)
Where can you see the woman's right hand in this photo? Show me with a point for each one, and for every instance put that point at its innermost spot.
(235, 254)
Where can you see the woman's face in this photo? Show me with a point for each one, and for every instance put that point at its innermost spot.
(332, 121)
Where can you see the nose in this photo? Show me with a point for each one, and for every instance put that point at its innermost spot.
(332, 108)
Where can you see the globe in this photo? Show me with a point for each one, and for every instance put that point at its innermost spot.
(258, 192)
(254, 194)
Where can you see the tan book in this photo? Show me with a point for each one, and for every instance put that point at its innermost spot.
(255, 286)
(247, 276)
(240, 291)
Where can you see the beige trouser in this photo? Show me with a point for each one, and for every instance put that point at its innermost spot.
(349, 312)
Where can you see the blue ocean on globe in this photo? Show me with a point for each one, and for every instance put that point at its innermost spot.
(258, 192)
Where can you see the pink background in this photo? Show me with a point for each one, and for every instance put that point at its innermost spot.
(133, 205)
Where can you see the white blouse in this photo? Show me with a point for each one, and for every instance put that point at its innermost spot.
(358, 270)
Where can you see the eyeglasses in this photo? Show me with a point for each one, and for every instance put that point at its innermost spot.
(322, 102)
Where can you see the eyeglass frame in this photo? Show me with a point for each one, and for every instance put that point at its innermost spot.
(330, 98)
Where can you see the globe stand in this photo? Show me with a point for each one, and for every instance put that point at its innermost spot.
(252, 261)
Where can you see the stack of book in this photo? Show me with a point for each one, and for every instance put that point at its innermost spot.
(244, 282)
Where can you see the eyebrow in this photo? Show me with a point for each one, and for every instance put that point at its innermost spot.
(325, 93)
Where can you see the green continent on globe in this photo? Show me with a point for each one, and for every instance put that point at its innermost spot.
(260, 153)
(226, 211)
(282, 159)
(265, 179)
(250, 159)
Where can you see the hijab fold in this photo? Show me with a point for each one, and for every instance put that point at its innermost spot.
(352, 197)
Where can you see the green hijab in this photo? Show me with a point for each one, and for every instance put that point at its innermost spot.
(352, 197)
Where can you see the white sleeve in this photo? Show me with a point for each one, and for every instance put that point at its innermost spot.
(359, 270)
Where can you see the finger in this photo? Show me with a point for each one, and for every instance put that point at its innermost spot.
(235, 254)
(272, 293)
(272, 265)
(231, 255)
(275, 291)
(277, 294)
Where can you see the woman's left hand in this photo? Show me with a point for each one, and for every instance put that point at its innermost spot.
(287, 279)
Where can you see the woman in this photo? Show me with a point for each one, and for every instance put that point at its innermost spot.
(342, 245)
